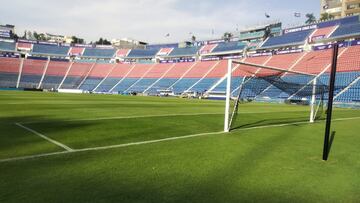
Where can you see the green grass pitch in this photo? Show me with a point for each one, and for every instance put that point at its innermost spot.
(148, 149)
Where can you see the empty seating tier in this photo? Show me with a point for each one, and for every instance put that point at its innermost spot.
(287, 39)
(7, 46)
(32, 73)
(347, 30)
(206, 49)
(9, 72)
(142, 53)
(50, 49)
(228, 47)
(54, 74)
(190, 51)
(99, 53)
(76, 75)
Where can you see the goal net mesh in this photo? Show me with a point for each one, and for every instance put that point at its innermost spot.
(251, 82)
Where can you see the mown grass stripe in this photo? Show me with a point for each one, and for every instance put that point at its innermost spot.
(45, 137)
(155, 141)
(155, 116)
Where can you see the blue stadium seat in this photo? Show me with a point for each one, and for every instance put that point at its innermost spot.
(184, 84)
(29, 81)
(143, 53)
(107, 84)
(229, 46)
(7, 46)
(288, 39)
(161, 46)
(204, 85)
(351, 95)
(125, 84)
(8, 80)
(235, 83)
(162, 84)
(347, 30)
(90, 83)
(142, 85)
(50, 82)
(50, 49)
(72, 82)
(190, 51)
(99, 53)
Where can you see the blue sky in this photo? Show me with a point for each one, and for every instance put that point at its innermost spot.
(150, 20)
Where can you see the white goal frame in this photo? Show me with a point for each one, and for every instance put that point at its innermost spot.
(227, 120)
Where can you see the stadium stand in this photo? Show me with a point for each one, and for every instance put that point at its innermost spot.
(293, 38)
(54, 74)
(351, 95)
(9, 72)
(76, 51)
(314, 62)
(252, 35)
(341, 21)
(229, 47)
(284, 61)
(99, 53)
(142, 53)
(171, 77)
(7, 46)
(165, 51)
(122, 53)
(116, 75)
(206, 49)
(24, 46)
(349, 60)
(97, 74)
(322, 33)
(32, 73)
(92, 71)
(182, 52)
(160, 46)
(138, 72)
(156, 72)
(50, 49)
(211, 77)
(347, 30)
(194, 75)
(221, 87)
(77, 73)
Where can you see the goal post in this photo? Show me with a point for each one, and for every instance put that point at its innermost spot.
(313, 101)
(249, 81)
(228, 95)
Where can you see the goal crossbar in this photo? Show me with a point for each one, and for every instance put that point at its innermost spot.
(273, 68)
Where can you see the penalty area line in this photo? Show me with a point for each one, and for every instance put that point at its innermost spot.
(154, 141)
(45, 137)
(108, 147)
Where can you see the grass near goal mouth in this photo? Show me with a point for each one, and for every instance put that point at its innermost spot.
(281, 162)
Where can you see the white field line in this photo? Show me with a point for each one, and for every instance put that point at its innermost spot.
(108, 147)
(157, 141)
(155, 116)
(45, 137)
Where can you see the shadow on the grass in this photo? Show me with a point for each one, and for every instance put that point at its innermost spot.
(42, 121)
(265, 122)
(270, 121)
(331, 141)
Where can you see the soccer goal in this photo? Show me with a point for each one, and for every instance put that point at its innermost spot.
(248, 82)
